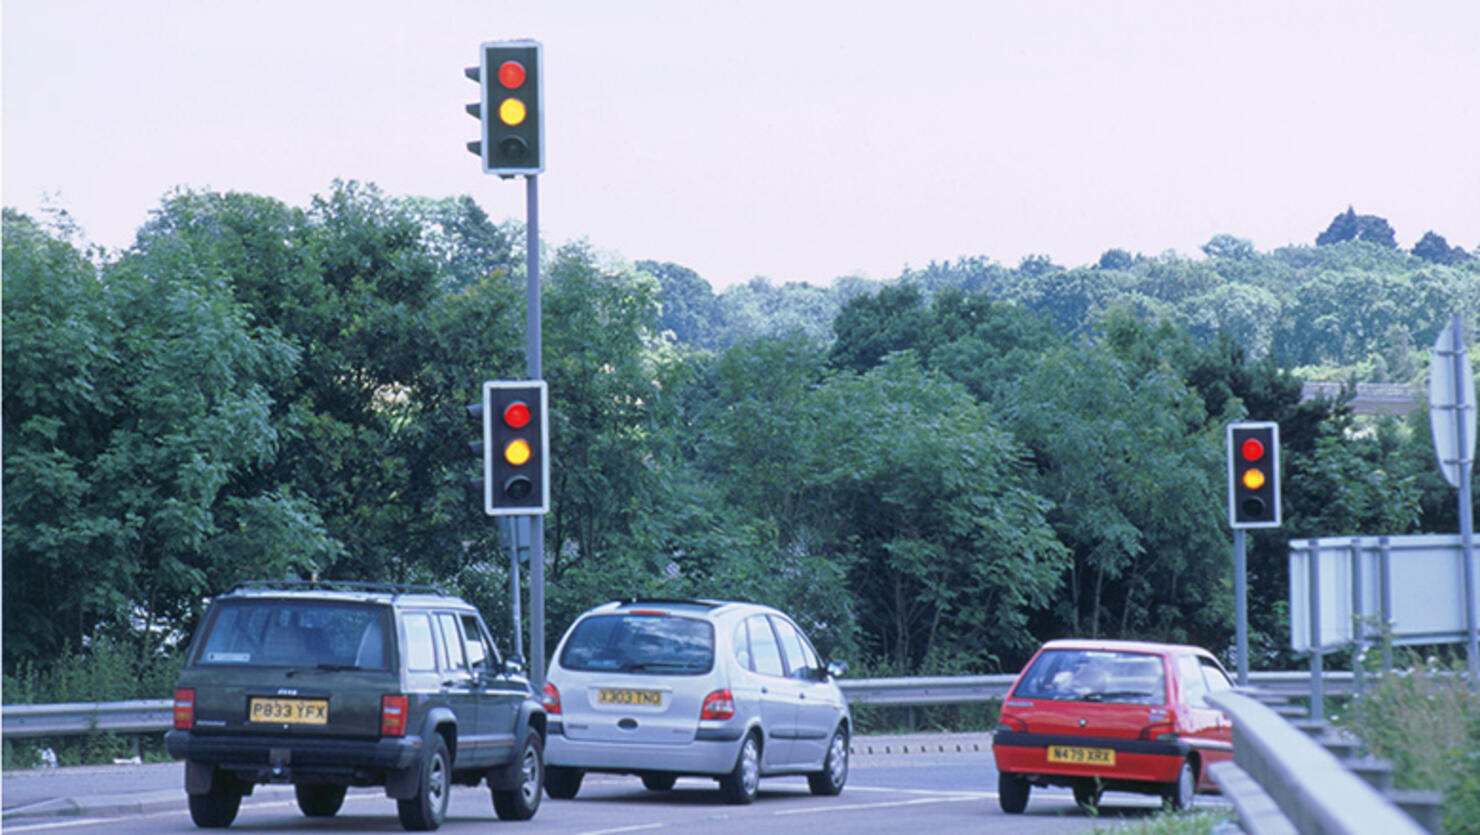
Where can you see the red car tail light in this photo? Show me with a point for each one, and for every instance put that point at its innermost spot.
(184, 708)
(1011, 724)
(718, 705)
(551, 699)
(393, 714)
(1160, 732)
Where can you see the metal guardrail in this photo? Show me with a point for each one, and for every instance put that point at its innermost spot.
(1314, 794)
(156, 715)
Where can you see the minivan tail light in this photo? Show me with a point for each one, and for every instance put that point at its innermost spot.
(184, 708)
(551, 699)
(393, 714)
(718, 705)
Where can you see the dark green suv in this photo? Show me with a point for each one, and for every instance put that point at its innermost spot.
(331, 685)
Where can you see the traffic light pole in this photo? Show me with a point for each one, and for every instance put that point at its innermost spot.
(1241, 605)
(536, 372)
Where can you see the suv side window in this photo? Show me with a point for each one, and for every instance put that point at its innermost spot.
(452, 643)
(481, 655)
(763, 649)
(800, 662)
(421, 650)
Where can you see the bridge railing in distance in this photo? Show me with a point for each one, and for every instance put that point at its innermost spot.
(1315, 794)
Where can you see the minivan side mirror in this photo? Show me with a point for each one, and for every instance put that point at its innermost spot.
(837, 669)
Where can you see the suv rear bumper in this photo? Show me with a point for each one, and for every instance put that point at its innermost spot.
(262, 759)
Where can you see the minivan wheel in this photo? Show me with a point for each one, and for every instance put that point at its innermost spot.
(739, 786)
(829, 781)
(656, 781)
(562, 782)
(1012, 793)
(319, 801)
(217, 808)
(520, 803)
(428, 808)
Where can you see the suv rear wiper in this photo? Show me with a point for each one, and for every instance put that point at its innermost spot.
(324, 668)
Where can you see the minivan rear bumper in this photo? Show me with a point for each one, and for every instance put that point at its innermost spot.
(263, 759)
(714, 756)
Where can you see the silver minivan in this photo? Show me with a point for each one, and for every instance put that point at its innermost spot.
(669, 688)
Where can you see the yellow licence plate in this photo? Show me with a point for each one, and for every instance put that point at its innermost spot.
(1081, 756)
(290, 711)
(649, 698)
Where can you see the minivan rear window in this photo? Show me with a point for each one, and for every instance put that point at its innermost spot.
(1078, 675)
(640, 643)
(296, 633)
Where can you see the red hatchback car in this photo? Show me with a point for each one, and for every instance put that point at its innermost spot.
(1112, 715)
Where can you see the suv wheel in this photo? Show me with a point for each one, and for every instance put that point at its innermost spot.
(739, 786)
(829, 781)
(562, 782)
(217, 808)
(428, 808)
(319, 801)
(520, 804)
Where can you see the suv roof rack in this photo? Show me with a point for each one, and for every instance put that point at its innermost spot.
(339, 585)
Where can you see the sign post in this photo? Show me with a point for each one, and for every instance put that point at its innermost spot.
(1452, 419)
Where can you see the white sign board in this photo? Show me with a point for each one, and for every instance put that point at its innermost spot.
(1451, 402)
(1423, 586)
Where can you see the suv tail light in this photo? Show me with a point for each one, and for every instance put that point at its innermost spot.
(184, 708)
(551, 699)
(718, 705)
(393, 714)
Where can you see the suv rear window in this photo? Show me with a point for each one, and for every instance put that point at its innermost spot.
(296, 633)
(637, 643)
(1078, 675)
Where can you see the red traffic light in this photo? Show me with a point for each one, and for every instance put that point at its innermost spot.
(511, 75)
(516, 415)
(1252, 449)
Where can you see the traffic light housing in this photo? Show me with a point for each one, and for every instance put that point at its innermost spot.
(516, 447)
(1254, 475)
(510, 74)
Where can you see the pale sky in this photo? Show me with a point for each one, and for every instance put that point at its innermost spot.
(799, 141)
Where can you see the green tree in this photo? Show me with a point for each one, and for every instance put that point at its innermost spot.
(134, 399)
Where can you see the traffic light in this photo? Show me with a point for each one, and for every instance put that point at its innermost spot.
(515, 448)
(512, 108)
(1254, 475)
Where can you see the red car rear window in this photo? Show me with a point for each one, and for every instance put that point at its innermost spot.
(1079, 675)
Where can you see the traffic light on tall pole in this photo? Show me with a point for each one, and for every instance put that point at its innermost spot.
(516, 447)
(511, 109)
(1254, 475)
